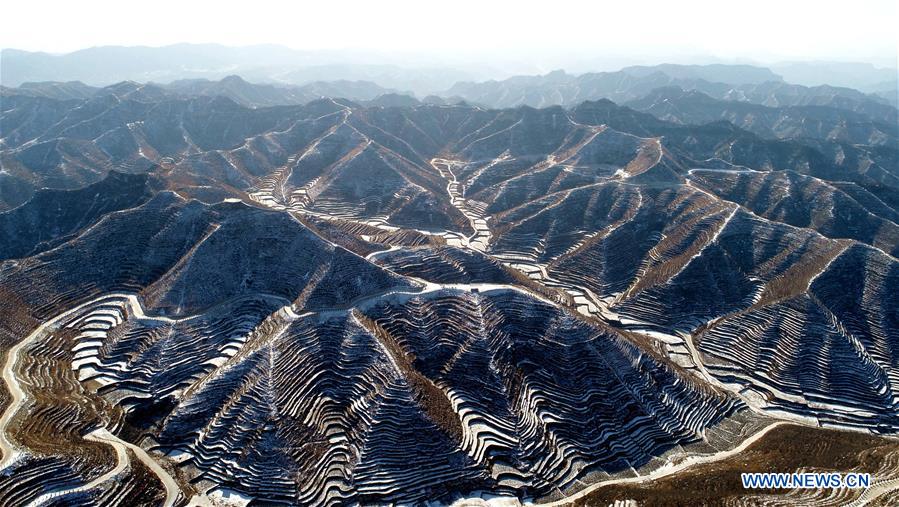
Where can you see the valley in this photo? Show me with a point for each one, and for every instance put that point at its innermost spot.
(328, 302)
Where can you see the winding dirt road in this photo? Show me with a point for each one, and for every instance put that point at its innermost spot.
(99, 435)
(18, 397)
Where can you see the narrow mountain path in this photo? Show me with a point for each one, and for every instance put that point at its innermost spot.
(172, 490)
(18, 396)
(18, 399)
(98, 435)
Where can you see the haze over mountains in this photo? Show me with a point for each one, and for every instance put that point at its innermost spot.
(267, 63)
(422, 74)
(320, 286)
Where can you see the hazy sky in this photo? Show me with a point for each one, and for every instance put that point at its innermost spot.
(763, 30)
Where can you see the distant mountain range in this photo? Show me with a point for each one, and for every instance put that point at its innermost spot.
(862, 76)
(560, 88)
(101, 66)
(232, 87)
(813, 120)
(718, 73)
(261, 95)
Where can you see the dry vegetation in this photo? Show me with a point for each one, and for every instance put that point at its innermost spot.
(796, 279)
(15, 323)
(784, 449)
(63, 408)
(432, 399)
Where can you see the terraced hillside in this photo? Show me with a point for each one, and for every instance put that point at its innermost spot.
(785, 122)
(738, 84)
(330, 303)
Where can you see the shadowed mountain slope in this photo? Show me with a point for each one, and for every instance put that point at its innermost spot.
(337, 303)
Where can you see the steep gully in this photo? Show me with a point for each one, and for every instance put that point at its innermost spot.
(680, 346)
(271, 193)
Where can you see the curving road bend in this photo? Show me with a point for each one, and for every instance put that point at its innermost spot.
(11, 453)
(172, 491)
(98, 435)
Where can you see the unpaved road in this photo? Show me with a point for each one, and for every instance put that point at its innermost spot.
(18, 397)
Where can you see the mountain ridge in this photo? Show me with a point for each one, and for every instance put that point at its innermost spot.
(399, 301)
